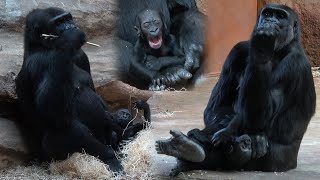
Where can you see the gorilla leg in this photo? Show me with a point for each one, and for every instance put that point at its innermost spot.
(76, 138)
(181, 146)
(195, 151)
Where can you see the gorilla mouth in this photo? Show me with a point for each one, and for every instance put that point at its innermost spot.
(155, 42)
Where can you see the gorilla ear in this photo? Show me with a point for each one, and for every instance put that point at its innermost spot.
(137, 30)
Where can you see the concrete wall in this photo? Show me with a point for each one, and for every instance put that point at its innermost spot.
(230, 21)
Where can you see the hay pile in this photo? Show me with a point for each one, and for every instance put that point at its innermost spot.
(137, 161)
(82, 166)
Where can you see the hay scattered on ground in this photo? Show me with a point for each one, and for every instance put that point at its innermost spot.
(138, 156)
(315, 71)
(81, 166)
(29, 173)
(165, 114)
(137, 161)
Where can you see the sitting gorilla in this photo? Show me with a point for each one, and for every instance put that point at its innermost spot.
(123, 126)
(134, 71)
(155, 50)
(61, 111)
(261, 106)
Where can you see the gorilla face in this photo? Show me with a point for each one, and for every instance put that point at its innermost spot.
(57, 23)
(150, 27)
(280, 22)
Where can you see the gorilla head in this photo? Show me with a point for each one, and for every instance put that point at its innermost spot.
(54, 22)
(150, 27)
(280, 22)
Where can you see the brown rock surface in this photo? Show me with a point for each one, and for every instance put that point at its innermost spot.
(309, 12)
(102, 61)
(95, 17)
(120, 95)
(12, 149)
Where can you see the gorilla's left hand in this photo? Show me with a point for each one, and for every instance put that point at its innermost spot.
(223, 136)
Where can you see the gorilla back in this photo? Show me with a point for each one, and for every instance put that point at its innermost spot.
(61, 111)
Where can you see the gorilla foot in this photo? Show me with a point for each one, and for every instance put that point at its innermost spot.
(181, 146)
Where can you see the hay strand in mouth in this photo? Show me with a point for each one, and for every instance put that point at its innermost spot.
(46, 36)
(93, 44)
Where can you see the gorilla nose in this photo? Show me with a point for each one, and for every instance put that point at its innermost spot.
(154, 32)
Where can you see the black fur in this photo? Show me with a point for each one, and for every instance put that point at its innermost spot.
(60, 109)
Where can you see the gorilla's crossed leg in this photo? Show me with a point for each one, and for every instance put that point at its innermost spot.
(195, 148)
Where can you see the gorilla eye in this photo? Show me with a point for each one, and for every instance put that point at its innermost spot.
(282, 15)
(266, 13)
(146, 24)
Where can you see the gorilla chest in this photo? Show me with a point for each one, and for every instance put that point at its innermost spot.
(80, 79)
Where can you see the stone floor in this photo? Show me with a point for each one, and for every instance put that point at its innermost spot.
(184, 111)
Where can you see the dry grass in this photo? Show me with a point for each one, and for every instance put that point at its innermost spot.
(29, 173)
(316, 71)
(137, 162)
(82, 166)
(138, 156)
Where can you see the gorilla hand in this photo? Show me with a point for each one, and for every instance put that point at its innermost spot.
(263, 41)
(223, 136)
(177, 75)
(159, 83)
(259, 146)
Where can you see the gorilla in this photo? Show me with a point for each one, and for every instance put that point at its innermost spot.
(123, 126)
(155, 50)
(260, 107)
(60, 109)
(132, 68)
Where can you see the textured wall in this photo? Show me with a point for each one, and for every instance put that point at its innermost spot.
(309, 11)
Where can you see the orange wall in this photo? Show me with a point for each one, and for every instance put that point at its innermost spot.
(230, 21)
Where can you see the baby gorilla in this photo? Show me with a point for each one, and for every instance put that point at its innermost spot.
(156, 50)
(123, 127)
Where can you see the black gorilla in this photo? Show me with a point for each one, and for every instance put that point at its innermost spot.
(265, 90)
(140, 75)
(61, 111)
(155, 50)
(124, 128)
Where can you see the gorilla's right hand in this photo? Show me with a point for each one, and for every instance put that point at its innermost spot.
(177, 75)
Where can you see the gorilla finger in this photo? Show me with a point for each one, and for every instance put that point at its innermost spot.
(164, 80)
(184, 74)
(175, 133)
(162, 87)
(176, 78)
(158, 82)
(170, 77)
